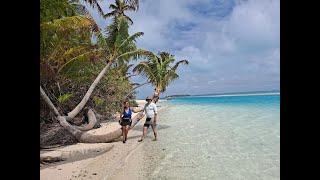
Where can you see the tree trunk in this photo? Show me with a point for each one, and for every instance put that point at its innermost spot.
(85, 137)
(77, 132)
(44, 96)
(156, 94)
(135, 88)
(92, 120)
(136, 119)
(85, 99)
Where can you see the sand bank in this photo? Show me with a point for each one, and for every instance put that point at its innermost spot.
(98, 161)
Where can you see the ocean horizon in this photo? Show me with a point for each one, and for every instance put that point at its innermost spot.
(249, 93)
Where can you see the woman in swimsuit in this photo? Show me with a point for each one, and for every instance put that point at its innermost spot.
(125, 119)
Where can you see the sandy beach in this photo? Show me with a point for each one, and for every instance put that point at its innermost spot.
(100, 161)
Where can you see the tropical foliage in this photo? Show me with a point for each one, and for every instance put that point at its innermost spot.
(118, 11)
(159, 71)
(83, 65)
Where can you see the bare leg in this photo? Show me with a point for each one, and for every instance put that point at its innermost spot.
(126, 133)
(154, 128)
(143, 134)
(123, 133)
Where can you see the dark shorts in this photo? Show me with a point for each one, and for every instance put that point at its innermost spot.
(126, 122)
(148, 123)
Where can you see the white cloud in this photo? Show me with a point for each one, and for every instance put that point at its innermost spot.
(256, 23)
(231, 45)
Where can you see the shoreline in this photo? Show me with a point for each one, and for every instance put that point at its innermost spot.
(107, 163)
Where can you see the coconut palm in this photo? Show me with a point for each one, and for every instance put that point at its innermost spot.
(118, 46)
(95, 4)
(118, 10)
(65, 37)
(159, 71)
(65, 41)
(117, 49)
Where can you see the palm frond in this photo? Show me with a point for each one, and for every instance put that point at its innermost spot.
(129, 8)
(56, 46)
(122, 32)
(170, 77)
(137, 54)
(132, 38)
(75, 51)
(112, 32)
(134, 3)
(95, 4)
(50, 10)
(129, 66)
(158, 71)
(100, 39)
(174, 68)
(144, 69)
(128, 19)
(119, 9)
(112, 6)
(110, 14)
(66, 23)
(83, 56)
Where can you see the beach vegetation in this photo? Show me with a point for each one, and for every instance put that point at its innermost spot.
(84, 69)
(160, 70)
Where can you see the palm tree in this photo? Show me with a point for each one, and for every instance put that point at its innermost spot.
(114, 52)
(118, 10)
(95, 4)
(65, 41)
(159, 71)
(117, 46)
(65, 38)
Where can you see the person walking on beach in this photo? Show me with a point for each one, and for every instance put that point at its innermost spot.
(151, 112)
(125, 119)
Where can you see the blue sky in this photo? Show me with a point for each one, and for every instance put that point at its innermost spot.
(231, 45)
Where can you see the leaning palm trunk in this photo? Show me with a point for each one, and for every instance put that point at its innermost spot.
(85, 99)
(83, 102)
(85, 137)
(49, 103)
(92, 120)
(77, 132)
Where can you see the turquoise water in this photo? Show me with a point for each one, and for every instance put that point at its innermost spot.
(231, 137)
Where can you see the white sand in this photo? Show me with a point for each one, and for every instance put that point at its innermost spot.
(98, 161)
